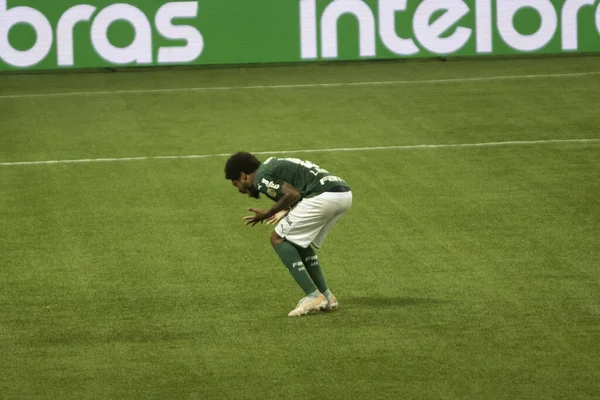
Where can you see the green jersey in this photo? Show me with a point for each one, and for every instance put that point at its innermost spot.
(310, 179)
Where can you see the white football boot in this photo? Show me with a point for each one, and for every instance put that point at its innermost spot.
(309, 304)
(332, 303)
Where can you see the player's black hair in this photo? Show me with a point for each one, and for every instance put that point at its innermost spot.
(240, 162)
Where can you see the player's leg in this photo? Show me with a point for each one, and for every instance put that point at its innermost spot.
(288, 253)
(311, 261)
(293, 235)
(339, 203)
(309, 222)
(314, 268)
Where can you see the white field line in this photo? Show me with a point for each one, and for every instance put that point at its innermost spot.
(302, 85)
(337, 149)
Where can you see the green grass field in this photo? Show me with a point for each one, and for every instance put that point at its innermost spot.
(463, 272)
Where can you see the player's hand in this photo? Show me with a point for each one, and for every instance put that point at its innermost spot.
(259, 216)
(274, 220)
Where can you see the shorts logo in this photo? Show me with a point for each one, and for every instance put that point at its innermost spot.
(271, 192)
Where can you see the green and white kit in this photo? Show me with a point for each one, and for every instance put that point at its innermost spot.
(325, 198)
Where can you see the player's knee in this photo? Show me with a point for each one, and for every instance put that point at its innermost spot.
(276, 239)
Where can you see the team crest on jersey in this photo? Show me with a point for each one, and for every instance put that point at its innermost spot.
(271, 192)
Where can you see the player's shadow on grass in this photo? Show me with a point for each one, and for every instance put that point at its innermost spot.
(387, 302)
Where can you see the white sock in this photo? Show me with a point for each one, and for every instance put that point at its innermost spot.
(314, 294)
(328, 294)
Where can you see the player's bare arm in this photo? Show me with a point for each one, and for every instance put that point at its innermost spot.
(274, 220)
(290, 196)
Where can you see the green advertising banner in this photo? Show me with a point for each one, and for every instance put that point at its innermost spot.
(41, 34)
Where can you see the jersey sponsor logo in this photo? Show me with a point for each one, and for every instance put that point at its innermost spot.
(270, 184)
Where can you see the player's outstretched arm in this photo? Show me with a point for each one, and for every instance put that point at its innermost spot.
(274, 220)
(290, 195)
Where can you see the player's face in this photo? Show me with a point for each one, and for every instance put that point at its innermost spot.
(245, 185)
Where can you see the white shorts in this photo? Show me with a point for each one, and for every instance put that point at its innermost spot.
(312, 219)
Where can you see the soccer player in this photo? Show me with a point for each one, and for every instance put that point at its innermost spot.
(308, 202)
